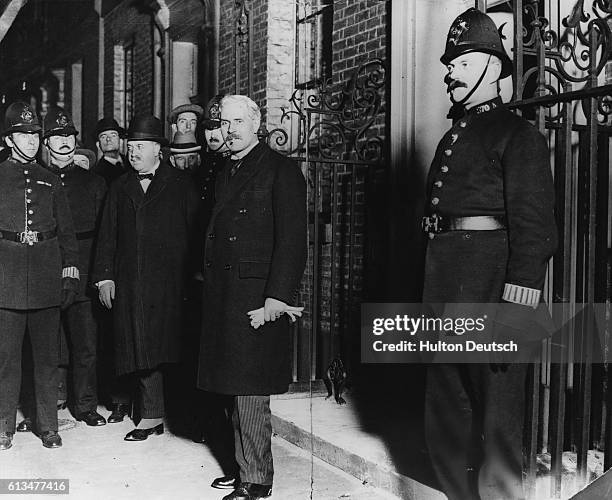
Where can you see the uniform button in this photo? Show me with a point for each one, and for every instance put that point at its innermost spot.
(29, 190)
(438, 184)
(435, 201)
(243, 211)
(227, 267)
(30, 212)
(29, 222)
(205, 188)
(203, 197)
(28, 200)
(444, 168)
(211, 236)
(232, 238)
(431, 236)
(62, 175)
(26, 172)
(28, 181)
(462, 124)
(448, 152)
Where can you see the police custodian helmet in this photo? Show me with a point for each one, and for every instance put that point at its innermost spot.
(474, 31)
(20, 117)
(58, 122)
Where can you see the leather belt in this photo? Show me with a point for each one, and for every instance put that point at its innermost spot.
(435, 224)
(29, 237)
(85, 235)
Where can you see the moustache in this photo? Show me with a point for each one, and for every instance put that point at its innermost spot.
(453, 84)
(214, 140)
(232, 137)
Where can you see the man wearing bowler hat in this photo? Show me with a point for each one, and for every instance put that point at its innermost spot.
(108, 139)
(141, 266)
(38, 273)
(490, 234)
(185, 152)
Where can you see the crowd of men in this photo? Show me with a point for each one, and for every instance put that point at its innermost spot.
(131, 232)
(149, 249)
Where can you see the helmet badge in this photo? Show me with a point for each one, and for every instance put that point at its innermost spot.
(27, 116)
(460, 27)
(62, 120)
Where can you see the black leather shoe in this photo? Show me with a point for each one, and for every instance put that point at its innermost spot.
(225, 483)
(51, 439)
(6, 440)
(250, 491)
(118, 411)
(91, 418)
(25, 425)
(142, 434)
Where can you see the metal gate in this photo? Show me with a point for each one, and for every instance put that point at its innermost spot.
(335, 132)
(561, 52)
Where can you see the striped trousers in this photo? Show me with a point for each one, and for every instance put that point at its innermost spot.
(253, 438)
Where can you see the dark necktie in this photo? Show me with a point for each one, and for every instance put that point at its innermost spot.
(234, 166)
(142, 177)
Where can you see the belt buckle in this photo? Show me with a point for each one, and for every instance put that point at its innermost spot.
(28, 237)
(432, 224)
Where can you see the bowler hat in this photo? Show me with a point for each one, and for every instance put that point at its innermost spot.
(108, 123)
(58, 122)
(474, 31)
(20, 117)
(146, 127)
(184, 143)
(212, 117)
(185, 108)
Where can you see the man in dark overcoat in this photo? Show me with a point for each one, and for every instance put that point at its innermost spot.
(141, 266)
(112, 164)
(86, 192)
(38, 273)
(255, 254)
(491, 231)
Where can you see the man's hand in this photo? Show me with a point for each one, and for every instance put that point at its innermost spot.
(273, 309)
(106, 293)
(257, 315)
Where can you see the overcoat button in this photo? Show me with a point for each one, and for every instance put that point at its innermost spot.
(435, 201)
(227, 267)
(444, 168)
(438, 184)
(232, 238)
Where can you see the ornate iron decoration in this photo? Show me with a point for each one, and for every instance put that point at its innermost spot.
(335, 120)
(243, 29)
(576, 56)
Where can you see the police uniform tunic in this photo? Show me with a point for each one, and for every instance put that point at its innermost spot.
(33, 203)
(495, 164)
(85, 191)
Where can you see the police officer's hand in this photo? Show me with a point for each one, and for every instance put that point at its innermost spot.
(273, 309)
(106, 294)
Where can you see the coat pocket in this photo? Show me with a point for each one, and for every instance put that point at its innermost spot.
(253, 269)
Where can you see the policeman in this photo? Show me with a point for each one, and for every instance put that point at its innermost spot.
(213, 158)
(490, 231)
(108, 139)
(85, 191)
(38, 273)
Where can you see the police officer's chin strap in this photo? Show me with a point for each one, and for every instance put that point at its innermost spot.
(61, 153)
(28, 158)
(457, 110)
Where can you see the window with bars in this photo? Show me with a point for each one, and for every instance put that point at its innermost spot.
(128, 82)
(314, 25)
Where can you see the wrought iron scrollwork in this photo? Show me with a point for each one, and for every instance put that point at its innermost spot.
(336, 119)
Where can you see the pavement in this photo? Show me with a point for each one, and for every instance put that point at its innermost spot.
(100, 465)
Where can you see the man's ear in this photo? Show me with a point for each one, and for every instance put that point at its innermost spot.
(495, 68)
(8, 140)
(172, 160)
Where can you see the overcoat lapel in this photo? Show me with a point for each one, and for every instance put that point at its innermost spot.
(252, 165)
(158, 184)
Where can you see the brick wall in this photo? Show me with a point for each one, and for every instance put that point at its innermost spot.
(227, 52)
